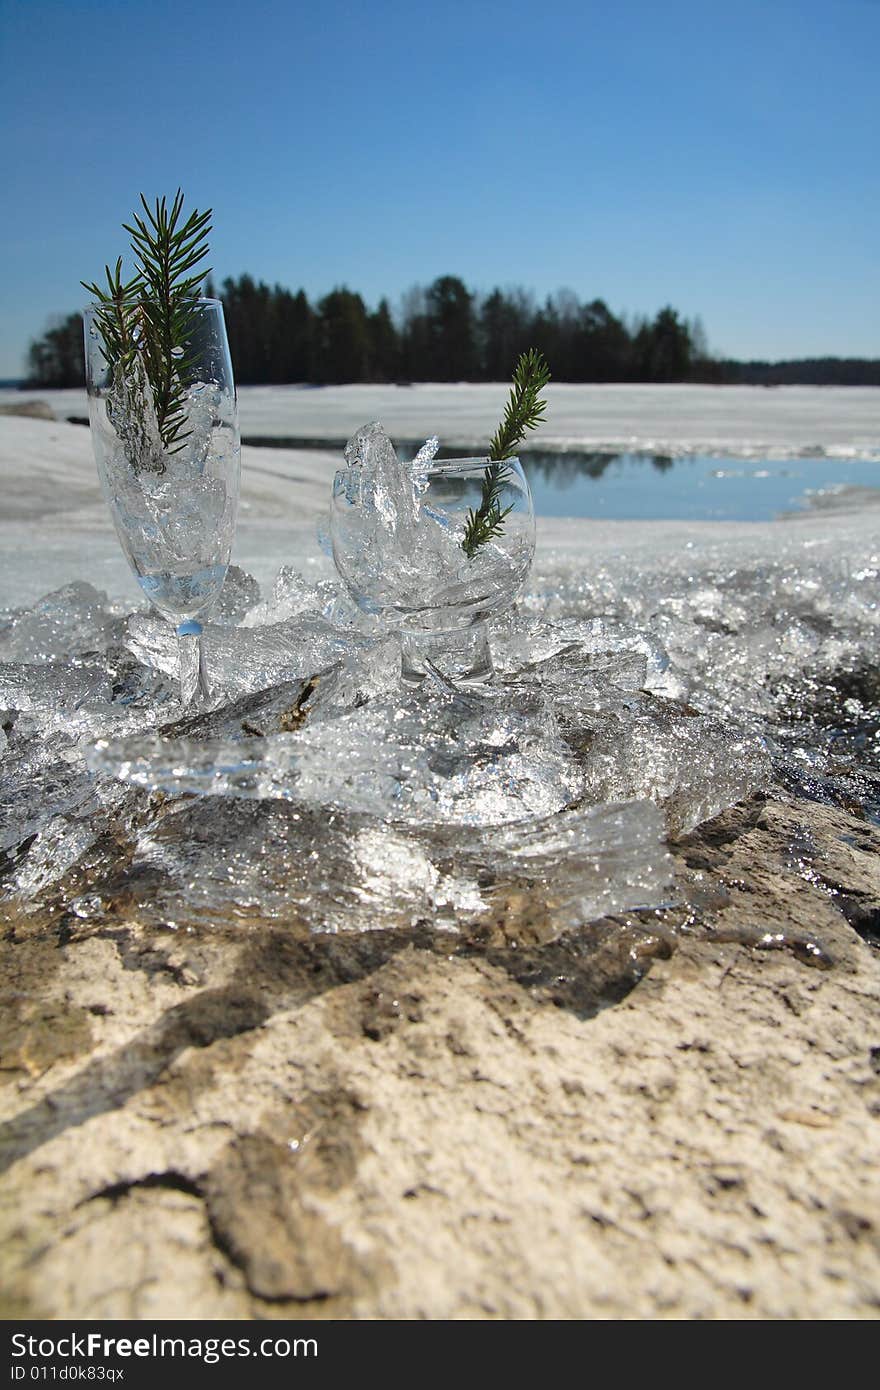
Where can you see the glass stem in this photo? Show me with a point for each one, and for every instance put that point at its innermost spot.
(195, 693)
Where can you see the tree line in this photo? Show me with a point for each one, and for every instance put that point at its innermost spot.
(809, 371)
(446, 332)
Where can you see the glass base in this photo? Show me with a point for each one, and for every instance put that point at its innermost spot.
(462, 656)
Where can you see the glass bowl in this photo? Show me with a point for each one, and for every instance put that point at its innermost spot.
(452, 551)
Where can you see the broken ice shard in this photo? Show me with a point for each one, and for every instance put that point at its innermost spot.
(247, 659)
(75, 618)
(348, 872)
(386, 490)
(425, 454)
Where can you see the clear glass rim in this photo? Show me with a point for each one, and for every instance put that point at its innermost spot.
(457, 465)
(460, 464)
(201, 302)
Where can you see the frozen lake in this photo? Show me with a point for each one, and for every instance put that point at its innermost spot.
(676, 487)
(616, 453)
(745, 421)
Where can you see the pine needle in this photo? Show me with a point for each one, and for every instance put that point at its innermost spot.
(524, 411)
(152, 314)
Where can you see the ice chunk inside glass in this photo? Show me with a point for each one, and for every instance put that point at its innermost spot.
(407, 547)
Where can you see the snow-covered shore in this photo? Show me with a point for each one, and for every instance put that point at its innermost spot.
(741, 420)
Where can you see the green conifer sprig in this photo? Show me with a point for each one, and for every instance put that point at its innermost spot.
(152, 313)
(114, 319)
(524, 411)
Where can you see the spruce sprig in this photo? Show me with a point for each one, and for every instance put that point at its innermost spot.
(114, 318)
(524, 411)
(152, 314)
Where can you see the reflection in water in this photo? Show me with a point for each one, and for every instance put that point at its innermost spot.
(661, 487)
(562, 469)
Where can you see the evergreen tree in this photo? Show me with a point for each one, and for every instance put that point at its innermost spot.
(663, 350)
(602, 346)
(342, 349)
(561, 326)
(384, 344)
(451, 330)
(293, 333)
(505, 332)
(414, 338)
(58, 358)
(246, 308)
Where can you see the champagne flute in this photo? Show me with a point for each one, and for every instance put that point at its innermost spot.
(167, 448)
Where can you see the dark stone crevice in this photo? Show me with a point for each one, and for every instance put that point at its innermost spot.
(863, 917)
(170, 1180)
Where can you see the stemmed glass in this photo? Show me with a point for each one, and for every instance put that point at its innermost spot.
(173, 502)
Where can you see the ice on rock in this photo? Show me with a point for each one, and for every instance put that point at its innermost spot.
(574, 727)
(287, 635)
(73, 619)
(630, 700)
(53, 852)
(51, 813)
(753, 642)
(247, 659)
(92, 695)
(659, 749)
(277, 709)
(432, 760)
(39, 781)
(588, 861)
(612, 651)
(632, 742)
(236, 767)
(52, 689)
(367, 673)
(346, 872)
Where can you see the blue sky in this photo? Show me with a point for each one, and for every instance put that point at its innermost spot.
(721, 157)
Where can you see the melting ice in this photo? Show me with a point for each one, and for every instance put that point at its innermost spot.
(627, 705)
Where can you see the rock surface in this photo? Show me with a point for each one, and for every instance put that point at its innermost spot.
(669, 1115)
